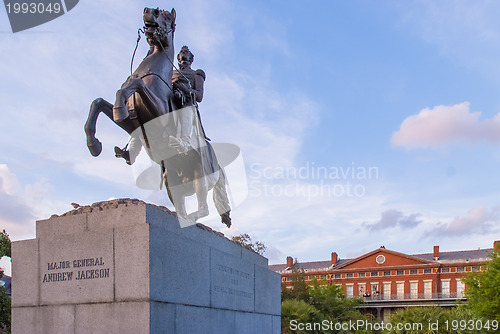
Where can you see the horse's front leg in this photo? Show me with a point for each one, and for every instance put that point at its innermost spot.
(97, 106)
(156, 105)
(100, 105)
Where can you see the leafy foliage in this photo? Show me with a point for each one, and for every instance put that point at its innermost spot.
(299, 286)
(4, 311)
(4, 244)
(246, 241)
(5, 304)
(417, 315)
(316, 303)
(301, 312)
(435, 319)
(331, 301)
(483, 293)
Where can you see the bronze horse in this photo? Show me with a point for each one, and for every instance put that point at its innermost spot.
(145, 109)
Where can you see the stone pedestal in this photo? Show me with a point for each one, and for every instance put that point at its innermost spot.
(125, 266)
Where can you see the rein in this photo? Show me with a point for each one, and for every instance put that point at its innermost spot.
(136, 45)
(156, 34)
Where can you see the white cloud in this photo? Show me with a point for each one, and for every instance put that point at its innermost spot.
(16, 213)
(442, 125)
(395, 218)
(479, 220)
(8, 180)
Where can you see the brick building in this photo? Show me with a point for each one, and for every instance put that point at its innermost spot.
(389, 280)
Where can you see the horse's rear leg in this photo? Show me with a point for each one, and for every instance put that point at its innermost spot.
(98, 105)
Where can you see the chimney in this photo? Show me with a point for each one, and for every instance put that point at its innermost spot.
(436, 252)
(334, 259)
(289, 262)
(496, 245)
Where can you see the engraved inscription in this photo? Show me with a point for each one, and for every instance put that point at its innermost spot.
(235, 277)
(85, 269)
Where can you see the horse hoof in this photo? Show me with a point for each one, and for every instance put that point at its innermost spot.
(95, 148)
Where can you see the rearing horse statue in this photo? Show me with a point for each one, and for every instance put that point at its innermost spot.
(144, 108)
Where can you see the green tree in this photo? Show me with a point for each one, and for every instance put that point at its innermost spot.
(316, 303)
(331, 301)
(244, 240)
(5, 306)
(434, 320)
(299, 289)
(298, 311)
(416, 320)
(483, 293)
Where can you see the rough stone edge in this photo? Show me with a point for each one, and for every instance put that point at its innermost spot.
(111, 204)
(126, 202)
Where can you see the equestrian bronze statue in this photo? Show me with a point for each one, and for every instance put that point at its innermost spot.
(158, 108)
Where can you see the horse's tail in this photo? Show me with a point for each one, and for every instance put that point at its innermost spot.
(221, 199)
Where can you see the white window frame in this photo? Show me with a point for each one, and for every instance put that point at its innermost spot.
(428, 292)
(349, 286)
(413, 292)
(461, 291)
(387, 292)
(443, 283)
(400, 293)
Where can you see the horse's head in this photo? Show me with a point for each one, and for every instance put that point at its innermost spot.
(159, 26)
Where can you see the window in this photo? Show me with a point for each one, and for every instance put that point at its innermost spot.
(375, 290)
(374, 274)
(413, 290)
(445, 289)
(387, 290)
(427, 289)
(400, 272)
(413, 272)
(337, 276)
(288, 278)
(349, 290)
(476, 268)
(322, 277)
(445, 270)
(349, 275)
(361, 275)
(427, 271)
(387, 273)
(361, 289)
(460, 288)
(400, 290)
(460, 269)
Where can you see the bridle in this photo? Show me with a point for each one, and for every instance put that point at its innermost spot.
(157, 34)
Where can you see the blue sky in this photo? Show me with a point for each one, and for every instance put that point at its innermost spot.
(408, 89)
